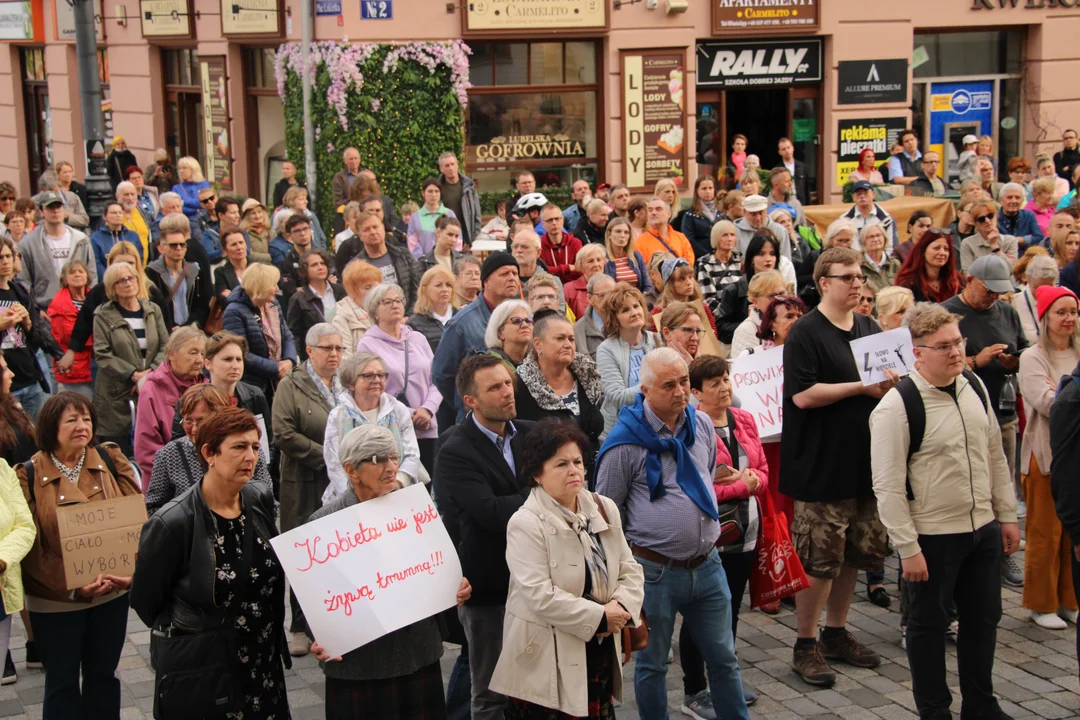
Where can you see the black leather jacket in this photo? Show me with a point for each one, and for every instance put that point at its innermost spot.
(173, 583)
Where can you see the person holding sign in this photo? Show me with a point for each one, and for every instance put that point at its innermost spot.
(396, 676)
(836, 530)
(77, 631)
(573, 586)
(950, 511)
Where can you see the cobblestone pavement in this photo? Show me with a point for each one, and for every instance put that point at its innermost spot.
(1035, 672)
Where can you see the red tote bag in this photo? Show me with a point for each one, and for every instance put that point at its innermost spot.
(777, 571)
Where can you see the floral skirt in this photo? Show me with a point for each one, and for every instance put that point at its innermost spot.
(600, 667)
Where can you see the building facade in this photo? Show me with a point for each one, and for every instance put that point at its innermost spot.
(610, 90)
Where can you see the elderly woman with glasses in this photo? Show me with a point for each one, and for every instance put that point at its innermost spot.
(987, 240)
(509, 333)
(407, 357)
(589, 328)
(396, 676)
(878, 266)
(364, 401)
(176, 465)
(129, 342)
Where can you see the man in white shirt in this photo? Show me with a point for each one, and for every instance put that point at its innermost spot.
(48, 247)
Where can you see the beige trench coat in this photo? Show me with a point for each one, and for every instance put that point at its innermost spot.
(547, 621)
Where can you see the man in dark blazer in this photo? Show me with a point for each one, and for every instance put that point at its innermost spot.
(339, 186)
(800, 184)
(478, 486)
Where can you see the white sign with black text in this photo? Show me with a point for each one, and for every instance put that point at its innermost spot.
(890, 350)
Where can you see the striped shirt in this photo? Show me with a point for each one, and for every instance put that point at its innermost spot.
(672, 524)
(624, 272)
(137, 322)
(713, 275)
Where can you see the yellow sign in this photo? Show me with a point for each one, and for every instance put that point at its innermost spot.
(534, 14)
(941, 103)
(164, 18)
(634, 120)
(250, 17)
(527, 147)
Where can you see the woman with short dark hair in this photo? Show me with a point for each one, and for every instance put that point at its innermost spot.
(80, 633)
(316, 299)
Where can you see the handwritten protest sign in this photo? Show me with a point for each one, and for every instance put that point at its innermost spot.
(100, 538)
(370, 569)
(891, 350)
(757, 380)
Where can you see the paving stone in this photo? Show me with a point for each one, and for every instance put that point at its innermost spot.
(1046, 709)
(804, 707)
(829, 698)
(867, 698)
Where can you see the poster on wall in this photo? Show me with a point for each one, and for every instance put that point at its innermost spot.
(853, 136)
(215, 104)
(654, 116)
(251, 17)
(165, 18)
(494, 16)
(751, 16)
(17, 21)
(957, 109)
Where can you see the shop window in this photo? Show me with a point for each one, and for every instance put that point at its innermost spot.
(183, 104)
(968, 53)
(38, 117)
(265, 127)
(259, 68)
(512, 126)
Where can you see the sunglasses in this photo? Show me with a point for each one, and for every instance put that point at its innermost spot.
(984, 218)
(176, 245)
(210, 199)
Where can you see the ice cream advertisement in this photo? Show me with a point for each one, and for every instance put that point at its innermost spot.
(655, 115)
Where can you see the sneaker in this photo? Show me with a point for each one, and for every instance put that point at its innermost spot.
(699, 706)
(879, 596)
(299, 645)
(9, 677)
(749, 696)
(844, 646)
(1069, 615)
(33, 660)
(950, 632)
(1021, 509)
(1049, 621)
(809, 663)
(1011, 573)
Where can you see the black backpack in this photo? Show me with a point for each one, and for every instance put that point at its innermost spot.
(916, 414)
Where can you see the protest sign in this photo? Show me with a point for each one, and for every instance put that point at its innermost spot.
(371, 568)
(874, 354)
(100, 538)
(757, 380)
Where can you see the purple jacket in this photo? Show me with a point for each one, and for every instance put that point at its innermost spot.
(154, 418)
(420, 391)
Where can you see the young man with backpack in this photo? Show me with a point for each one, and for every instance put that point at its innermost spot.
(945, 496)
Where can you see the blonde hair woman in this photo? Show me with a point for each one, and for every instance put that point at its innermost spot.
(296, 199)
(668, 191)
(892, 303)
(434, 306)
(625, 264)
(191, 184)
(720, 267)
(254, 314)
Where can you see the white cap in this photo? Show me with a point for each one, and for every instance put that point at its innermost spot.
(970, 139)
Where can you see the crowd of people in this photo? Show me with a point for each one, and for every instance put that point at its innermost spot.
(568, 402)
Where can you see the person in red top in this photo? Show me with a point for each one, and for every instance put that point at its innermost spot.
(558, 249)
(660, 236)
(63, 310)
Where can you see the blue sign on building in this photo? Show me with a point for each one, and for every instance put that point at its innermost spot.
(377, 9)
(327, 7)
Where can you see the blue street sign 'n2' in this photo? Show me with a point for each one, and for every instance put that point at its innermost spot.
(327, 7)
(377, 9)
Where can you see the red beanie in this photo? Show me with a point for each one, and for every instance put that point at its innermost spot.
(1047, 295)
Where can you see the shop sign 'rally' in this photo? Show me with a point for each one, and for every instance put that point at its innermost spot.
(756, 64)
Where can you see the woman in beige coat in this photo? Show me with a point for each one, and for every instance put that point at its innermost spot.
(573, 586)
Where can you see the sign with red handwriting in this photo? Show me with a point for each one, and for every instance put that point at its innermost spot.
(757, 379)
(371, 568)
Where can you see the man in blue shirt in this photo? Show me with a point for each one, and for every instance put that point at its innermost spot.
(1014, 220)
(904, 168)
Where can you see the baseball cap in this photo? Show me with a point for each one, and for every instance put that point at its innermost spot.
(862, 185)
(970, 140)
(49, 198)
(755, 203)
(994, 271)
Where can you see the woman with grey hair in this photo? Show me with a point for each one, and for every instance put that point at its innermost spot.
(589, 328)
(509, 333)
(364, 401)
(1041, 270)
(407, 356)
(397, 676)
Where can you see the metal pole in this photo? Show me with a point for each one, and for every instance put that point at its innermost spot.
(93, 124)
(307, 29)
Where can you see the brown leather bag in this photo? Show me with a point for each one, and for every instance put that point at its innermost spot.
(633, 638)
(215, 317)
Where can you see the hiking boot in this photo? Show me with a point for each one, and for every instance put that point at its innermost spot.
(809, 663)
(842, 645)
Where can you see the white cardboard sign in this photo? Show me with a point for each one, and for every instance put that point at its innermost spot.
(757, 379)
(890, 350)
(370, 569)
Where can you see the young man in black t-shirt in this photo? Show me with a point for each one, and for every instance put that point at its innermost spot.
(825, 466)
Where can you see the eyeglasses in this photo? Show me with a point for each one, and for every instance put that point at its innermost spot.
(848, 279)
(331, 348)
(300, 230)
(520, 321)
(391, 302)
(692, 331)
(946, 347)
(124, 280)
(984, 218)
(382, 459)
(191, 422)
(374, 377)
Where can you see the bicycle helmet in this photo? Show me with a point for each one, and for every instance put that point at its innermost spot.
(531, 201)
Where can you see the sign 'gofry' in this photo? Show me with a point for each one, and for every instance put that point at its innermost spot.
(100, 538)
(757, 379)
(371, 568)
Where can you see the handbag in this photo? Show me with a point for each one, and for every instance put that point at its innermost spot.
(195, 668)
(400, 397)
(215, 317)
(777, 573)
(633, 638)
(734, 515)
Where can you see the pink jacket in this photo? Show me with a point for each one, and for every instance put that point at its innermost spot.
(746, 433)
(154, 415)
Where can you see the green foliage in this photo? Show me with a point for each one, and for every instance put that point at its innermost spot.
(418, 116)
